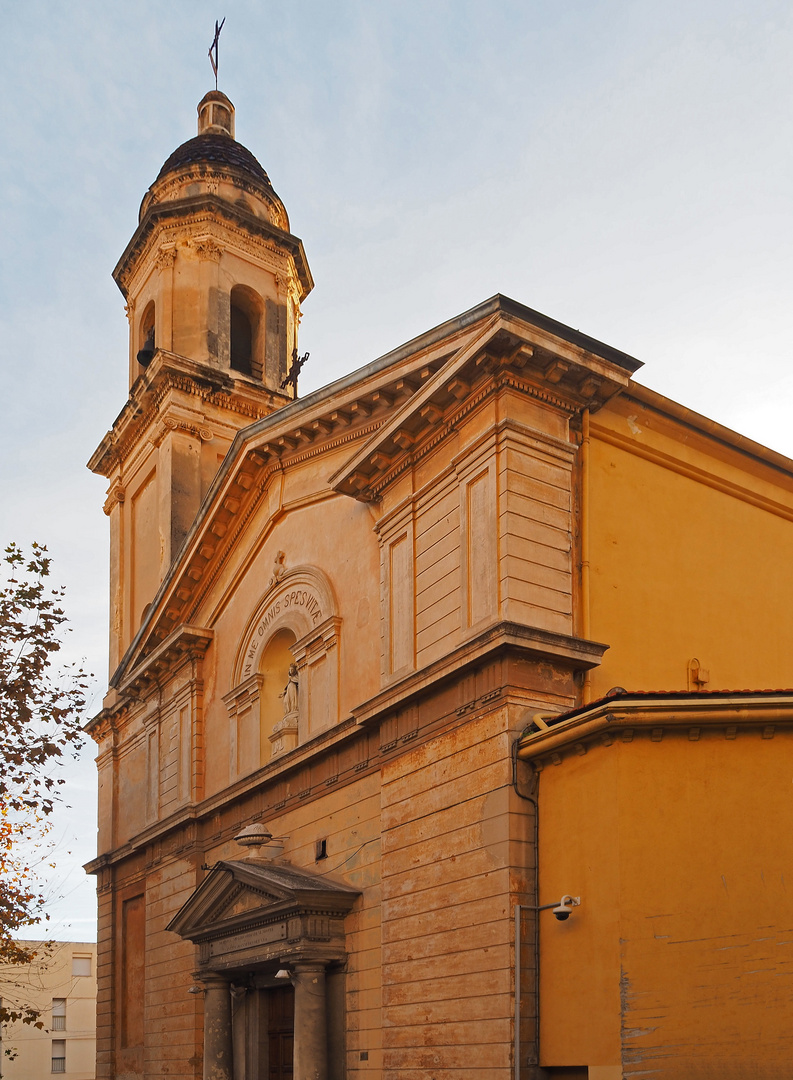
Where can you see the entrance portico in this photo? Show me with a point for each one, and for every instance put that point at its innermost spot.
(262, 927)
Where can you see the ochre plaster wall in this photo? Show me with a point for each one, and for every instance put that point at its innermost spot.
(678, 960)
(688, 542)
(308, 533)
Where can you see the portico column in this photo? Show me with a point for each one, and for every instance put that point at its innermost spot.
(311, 1025)
(217, 1028)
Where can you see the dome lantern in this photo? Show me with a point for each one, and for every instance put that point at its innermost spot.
(212, 266)
(215, 114)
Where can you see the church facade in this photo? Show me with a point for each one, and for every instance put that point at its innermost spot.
(478, 631)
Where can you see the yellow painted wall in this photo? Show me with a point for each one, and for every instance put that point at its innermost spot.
(681, 851)
(690, 545)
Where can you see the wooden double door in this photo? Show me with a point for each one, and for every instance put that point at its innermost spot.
(263, 1033)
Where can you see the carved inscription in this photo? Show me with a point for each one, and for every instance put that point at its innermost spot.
(306, 599)
(265, 935)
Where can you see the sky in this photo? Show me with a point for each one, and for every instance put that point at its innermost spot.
(623, 166)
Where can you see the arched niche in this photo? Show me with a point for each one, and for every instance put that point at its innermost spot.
(295, 622)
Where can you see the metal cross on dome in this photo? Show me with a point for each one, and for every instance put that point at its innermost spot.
(213, 50)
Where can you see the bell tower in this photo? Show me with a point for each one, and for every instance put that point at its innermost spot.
(213, 281)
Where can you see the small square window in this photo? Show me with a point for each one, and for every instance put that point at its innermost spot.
(81, 965)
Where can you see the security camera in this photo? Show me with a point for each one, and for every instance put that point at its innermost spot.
(565, 906)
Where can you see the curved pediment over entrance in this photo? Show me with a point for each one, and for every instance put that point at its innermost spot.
(255, 914)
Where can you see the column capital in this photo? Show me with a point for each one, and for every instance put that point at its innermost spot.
(306, 966)
(212, 980)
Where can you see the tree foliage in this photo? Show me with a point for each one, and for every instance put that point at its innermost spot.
(41, 710)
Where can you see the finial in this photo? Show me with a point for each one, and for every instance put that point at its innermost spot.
(213, 50)
(257, 836)
(254, 837)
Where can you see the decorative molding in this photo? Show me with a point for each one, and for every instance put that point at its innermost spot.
(252, 233)
(207, 248)
(143, 408)
(185, 643)
(301, 599)
(114, 498)
(691, 715)
(372, 486)
(166, 256)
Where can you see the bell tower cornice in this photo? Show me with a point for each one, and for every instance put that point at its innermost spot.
(178, 221)
(174, 393)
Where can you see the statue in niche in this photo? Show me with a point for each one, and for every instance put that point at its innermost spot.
(289, 693)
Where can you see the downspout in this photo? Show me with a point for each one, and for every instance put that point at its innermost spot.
(533, 906)
(586, 622)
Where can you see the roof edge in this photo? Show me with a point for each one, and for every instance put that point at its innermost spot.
(625, 711)
(713, 428)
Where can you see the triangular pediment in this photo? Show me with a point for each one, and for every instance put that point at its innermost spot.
(242, 900)
(240, 893)
(530, 352)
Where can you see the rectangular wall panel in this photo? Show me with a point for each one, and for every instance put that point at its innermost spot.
(133, 921)
(145, 542)
(401, 604)
(482, 578)
(438, 598)
(536, 525)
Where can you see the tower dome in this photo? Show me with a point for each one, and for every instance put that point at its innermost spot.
(212, 272)
(213, 161)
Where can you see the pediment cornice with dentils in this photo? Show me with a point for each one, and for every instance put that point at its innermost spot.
(507, 351)
(240, 895)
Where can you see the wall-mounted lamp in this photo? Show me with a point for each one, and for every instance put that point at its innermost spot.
(283, 973)
(563, 909)
(195, 989)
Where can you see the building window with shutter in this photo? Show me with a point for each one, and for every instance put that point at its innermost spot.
(81, 965)
(58, 1055)
(59, 1014)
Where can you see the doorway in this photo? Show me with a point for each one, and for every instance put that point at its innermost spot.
(280, 1032)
